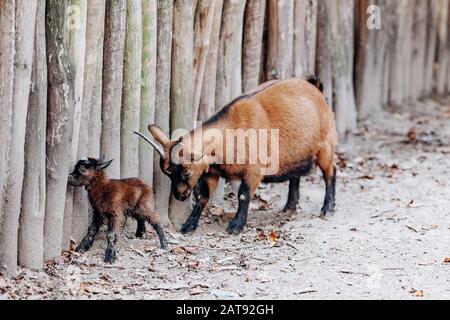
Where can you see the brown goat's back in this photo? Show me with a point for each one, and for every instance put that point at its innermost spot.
(298, 109)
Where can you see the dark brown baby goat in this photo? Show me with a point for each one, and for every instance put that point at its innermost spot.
(112, 201)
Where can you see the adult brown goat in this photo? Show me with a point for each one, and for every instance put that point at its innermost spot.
(113, 201)
(294, 111)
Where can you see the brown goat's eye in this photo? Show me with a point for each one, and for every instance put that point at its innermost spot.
(83, 170)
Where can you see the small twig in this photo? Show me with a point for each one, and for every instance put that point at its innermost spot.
(292, 246)
(412, 229)
(351, 272)
(226, 248)
(306, 291)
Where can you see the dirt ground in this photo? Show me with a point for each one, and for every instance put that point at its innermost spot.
(389, 237)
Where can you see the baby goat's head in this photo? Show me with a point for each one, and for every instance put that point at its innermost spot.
(86, 170)
(178, 161)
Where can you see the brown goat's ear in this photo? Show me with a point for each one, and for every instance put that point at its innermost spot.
(158, 134)
(103, 165)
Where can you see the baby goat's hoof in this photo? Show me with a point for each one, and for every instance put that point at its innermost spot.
(235, 228)
(110, 255)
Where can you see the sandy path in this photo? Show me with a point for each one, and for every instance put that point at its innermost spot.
(388, 238)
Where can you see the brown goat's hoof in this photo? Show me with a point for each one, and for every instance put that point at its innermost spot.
(288, 211)
(323, 216)
(234, 228)
(188, 229)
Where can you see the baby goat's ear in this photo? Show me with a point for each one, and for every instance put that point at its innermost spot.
(103, 165)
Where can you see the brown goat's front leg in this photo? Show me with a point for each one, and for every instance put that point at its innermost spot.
(88, 240)
(205, 187)
(111, 236)
(246, 191)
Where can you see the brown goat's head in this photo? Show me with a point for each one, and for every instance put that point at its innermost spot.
(178, 161)
(86, 170)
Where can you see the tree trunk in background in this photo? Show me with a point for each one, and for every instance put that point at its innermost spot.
(7, 38)
(95, 21)
(305, 34)
(342, 60)
(181, 93)
(311, 11)
(236, 81)
(25, 16)
(300, 38)
(419, 33)
(388, 26)
(131, 97)
(324, 49)
(448, 51)
(77, 48)
(148, 88)
(204, 18)
(31, 231)
(208, 98)
(161, 182)
(252, 43)
(60, 107)
(408, 40)
(371, 49)
(431, 45)
(442, 50)
(95, 119)
(229, 57)
(398, 73)
(280, 56)
(113, 53)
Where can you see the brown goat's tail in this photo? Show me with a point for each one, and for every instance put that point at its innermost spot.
(315, 82)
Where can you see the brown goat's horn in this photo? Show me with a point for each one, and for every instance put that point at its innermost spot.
(152, 143)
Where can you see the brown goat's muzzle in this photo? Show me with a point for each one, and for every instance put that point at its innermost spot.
(181, 194)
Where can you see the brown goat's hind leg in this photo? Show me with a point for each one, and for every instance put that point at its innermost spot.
(293, 195)
(325, 160)
(88, 240)
(330, 192)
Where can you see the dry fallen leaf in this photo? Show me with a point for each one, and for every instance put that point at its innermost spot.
(273, 237)
(261, 236)
(193, 265)
(196, 291)
(181, 250)
(412, 135)
(417, 293)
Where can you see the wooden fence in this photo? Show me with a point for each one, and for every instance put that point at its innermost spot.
(78, 77)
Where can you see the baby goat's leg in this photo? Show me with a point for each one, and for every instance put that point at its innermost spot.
(246, 191)
(147, 213)
(88, 240)
(140, 231)
(205, 187)
(159, 230)
(111, 235)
